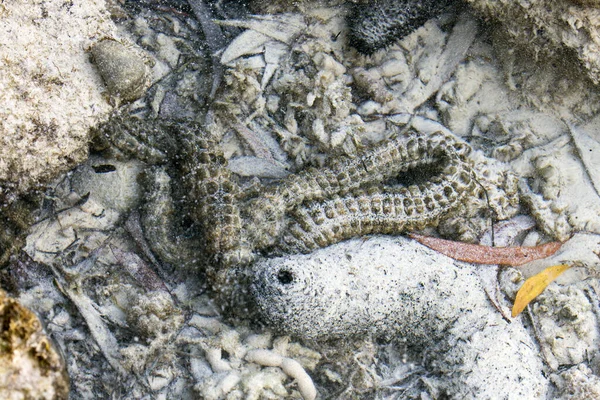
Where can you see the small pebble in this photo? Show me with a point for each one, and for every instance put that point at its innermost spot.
(122, 68)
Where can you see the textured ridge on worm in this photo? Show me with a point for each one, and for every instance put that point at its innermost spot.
(157, 218)
(264, 217)
(377, 210)
(214, 191)
(373, 166)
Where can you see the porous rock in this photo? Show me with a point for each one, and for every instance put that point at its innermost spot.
(381, 22)
(30, 367)
(50, 94)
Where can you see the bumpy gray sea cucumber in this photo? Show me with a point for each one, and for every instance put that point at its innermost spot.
(397, 288)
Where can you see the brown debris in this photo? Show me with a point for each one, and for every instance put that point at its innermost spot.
(479, 254)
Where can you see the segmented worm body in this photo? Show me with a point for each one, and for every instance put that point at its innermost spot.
(315, 208)
(377, 210)
(374, 166)
(213, 192)
(299, 195)
(372, 192)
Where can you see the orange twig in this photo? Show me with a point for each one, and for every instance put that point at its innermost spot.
(480, 254)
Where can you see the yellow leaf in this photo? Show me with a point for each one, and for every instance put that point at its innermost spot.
(536, 285)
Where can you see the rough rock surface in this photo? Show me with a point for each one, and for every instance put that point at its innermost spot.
(550, 27)
(30, 367)
(50, 94)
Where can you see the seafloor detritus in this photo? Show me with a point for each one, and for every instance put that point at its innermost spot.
(412, 180)
(379, 23)
(292, 101)
(292, 106)
(397, 288)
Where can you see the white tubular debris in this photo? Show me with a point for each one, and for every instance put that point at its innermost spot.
(213, 355)
(213, 325)
(291, 367)
(264, 357)
(305, 384)
(226, 384)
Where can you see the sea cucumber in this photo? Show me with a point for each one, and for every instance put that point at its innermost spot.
(394, 287)
(379, 23)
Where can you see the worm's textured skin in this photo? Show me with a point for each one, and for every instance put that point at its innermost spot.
(370, 193)
(300, 196)
(213, 200)
(387, 211)
(382, 22)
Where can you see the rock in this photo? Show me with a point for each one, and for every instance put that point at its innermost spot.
(30, 367)
(550, 28)
(111, 183)
(122, 67)
(50, 94)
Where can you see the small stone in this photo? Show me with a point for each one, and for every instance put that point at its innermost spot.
(122, 68)
(111, 183)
